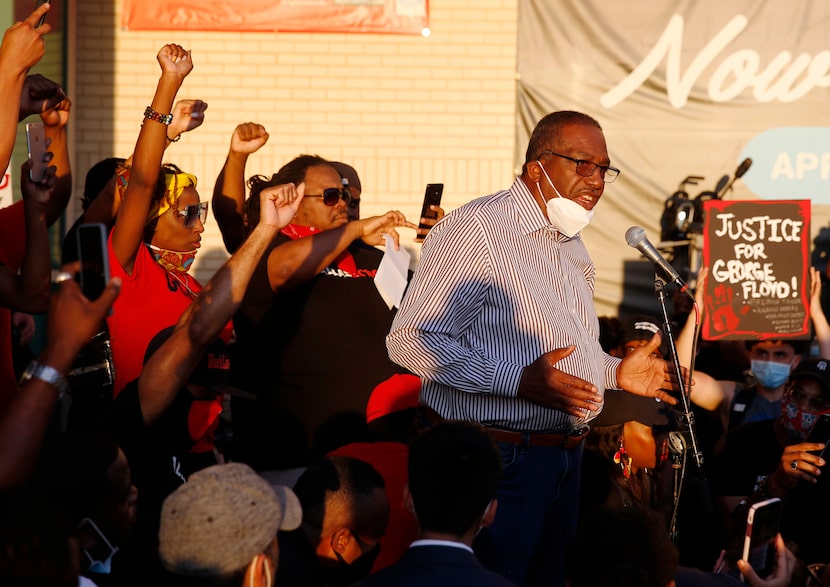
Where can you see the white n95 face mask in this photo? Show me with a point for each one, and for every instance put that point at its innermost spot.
(565, 215)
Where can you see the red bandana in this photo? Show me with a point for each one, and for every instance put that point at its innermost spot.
(345, 262)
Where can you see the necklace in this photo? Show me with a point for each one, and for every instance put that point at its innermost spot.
(295, 231)
(183, 283)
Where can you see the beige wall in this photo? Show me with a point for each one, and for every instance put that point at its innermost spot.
(404, 110)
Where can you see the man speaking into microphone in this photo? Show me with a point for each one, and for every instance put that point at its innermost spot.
(499, 323)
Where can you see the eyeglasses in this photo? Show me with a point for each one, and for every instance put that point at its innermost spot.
(193, 212)
(814, 403)
(587, 168)
(333, 195)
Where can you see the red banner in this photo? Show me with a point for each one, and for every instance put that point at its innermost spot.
(332, 16)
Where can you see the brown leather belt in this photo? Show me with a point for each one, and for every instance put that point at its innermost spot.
(570, 439)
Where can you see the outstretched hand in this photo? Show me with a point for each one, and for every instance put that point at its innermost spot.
(545, 385)
(643, 374)
(373, 229)
(248, 138)
(278, 204)
(175, 59)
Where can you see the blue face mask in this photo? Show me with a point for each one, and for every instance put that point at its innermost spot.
(101, 561)
(102, 568)
(770, 374)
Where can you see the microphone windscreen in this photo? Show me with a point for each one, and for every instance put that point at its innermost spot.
(635, 235)
(743, 167)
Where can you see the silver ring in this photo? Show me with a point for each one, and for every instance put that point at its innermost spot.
(61, 276)
(794, 465)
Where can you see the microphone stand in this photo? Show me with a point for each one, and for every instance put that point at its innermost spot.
(685, 440)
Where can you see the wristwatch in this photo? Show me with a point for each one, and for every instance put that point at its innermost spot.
(45, 373)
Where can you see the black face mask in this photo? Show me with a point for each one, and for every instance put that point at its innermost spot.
(339, 573)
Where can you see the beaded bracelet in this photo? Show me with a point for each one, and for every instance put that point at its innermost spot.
(175, 140)
(151, 114)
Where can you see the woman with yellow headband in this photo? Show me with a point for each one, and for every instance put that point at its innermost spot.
(156, 234)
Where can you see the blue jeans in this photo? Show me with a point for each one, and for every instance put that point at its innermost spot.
(538, 503)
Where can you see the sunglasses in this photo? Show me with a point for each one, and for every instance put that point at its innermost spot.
(192, 213)
(333, 195)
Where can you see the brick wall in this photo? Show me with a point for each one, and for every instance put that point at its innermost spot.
(403, 110)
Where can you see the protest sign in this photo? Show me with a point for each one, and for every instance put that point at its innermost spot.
(757, 253)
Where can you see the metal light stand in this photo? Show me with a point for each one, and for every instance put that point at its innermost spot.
(684, 441)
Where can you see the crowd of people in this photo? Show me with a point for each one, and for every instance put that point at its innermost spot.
(282, 425)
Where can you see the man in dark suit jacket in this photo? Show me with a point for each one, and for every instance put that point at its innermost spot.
(454, 469)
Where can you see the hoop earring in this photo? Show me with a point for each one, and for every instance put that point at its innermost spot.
(622, 459)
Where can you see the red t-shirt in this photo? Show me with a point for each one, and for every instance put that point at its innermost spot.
(151, 299)
(12, 250)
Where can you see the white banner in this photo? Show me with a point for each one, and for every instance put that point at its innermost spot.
(681, 89)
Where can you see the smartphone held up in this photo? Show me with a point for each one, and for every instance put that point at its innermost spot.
(432, 197)
(820, 432)
(36, 140)
(762, 525)
(93, 258)
(42, 19)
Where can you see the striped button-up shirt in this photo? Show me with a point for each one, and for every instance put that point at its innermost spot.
(496, 287)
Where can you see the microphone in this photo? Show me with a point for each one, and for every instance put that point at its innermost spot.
(743, 168)
(722, 183)
(636, 237)
(739, 173)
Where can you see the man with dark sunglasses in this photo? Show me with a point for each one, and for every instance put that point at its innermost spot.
(332, 196)
(327, 358)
